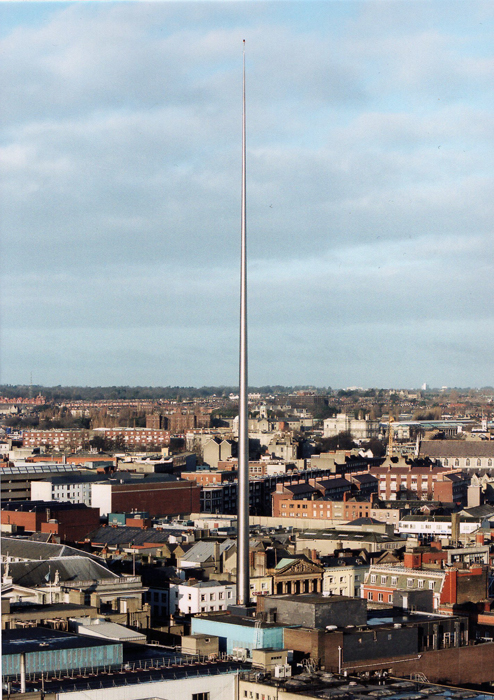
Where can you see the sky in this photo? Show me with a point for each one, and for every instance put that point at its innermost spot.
(369, 192)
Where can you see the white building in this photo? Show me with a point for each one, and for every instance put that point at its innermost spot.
(435, 526)
(201, 596)
(203, 686)
(69, 489)
(360, 428)
(344, 580)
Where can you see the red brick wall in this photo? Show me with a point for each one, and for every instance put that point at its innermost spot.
(71, 525)
(174, 498)
(74, 525)
(472, 664)
(29, 521)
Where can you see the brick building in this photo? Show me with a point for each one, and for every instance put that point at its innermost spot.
(155, 494)
(419, 482)
(134, 437)
(178, 421)
(67, 521)
(72, 440)
(447, 587)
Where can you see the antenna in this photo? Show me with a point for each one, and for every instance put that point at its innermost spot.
(243, 587)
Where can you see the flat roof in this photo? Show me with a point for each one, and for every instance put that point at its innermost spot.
(41, 639)
(311, 599)
(229, 619)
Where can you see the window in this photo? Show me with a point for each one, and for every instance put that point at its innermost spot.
(369, 595)
(373, 578)
(380, 597)
(220, 595)
(204, 696)
(409, 582)
(420, 583)
(431, 585)
(390, 597)
(383, 579)
(212, 596)
(457, 462)
(467, 462)
(479, 462)
(394, 580)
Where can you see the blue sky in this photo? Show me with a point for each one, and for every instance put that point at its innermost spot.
(369, 192)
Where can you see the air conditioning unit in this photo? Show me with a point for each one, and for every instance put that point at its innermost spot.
(282, 671)
(240, 653)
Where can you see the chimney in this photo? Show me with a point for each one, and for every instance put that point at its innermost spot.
(455, 527)
(480, 538)
(412, 560)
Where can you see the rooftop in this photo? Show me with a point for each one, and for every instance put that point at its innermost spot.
(328, 685)
(40, 639)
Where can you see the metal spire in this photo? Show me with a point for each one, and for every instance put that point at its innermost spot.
(243, 586)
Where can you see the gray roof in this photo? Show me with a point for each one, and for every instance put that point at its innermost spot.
(202, 551)
(33, 574)
(123, 536)
(457, 448)
(484, 511)
(25, 549)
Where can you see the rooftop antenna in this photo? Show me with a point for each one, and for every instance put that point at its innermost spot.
(243, 587)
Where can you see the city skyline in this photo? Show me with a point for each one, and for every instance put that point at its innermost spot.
(368, 193)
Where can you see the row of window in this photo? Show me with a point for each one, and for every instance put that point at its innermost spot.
(467, 462)
(394, 581)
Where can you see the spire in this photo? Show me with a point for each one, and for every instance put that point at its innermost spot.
(243, 587)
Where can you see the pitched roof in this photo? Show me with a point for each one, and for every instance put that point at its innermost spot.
(298, 489)
(457, 448)
(202, 551)
(113, 536)
(25, 549)
(34, 574)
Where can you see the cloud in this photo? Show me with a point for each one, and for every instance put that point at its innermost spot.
(369, 189)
